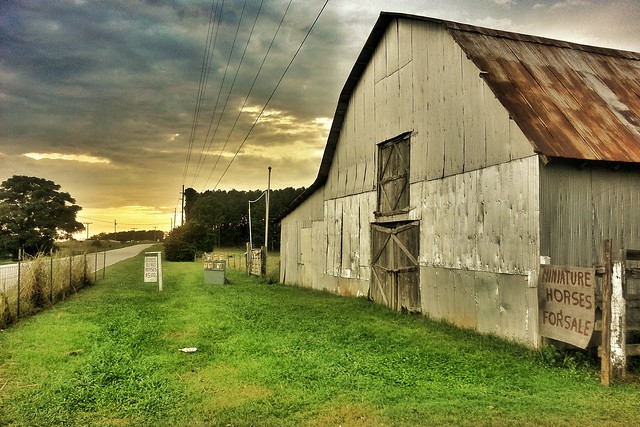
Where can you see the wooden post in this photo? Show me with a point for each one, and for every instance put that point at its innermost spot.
(248, 259)
(618, 345)
(51, 276)
(605, 354)
(19, 278)
(160, 285)
(263, 261)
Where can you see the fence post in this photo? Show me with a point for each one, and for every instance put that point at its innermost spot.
(263, 261)
(104, 264)
(248, 259)
(605, 354)
(70, 275)
(19, 278)
(95, 266)
(618, 346)
(51, 276)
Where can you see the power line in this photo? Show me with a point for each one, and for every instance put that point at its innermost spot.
(204, 75)
(119, 223)
(244, 103)
(273, 92)
(224, 107)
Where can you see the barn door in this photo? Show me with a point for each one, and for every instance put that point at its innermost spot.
(393, 175)
(395, 280)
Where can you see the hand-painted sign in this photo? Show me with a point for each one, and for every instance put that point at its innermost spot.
(566, 302)
(151, 268)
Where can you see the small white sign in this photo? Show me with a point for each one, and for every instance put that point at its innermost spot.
(151, 268)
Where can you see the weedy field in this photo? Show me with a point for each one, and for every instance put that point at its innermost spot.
(271, 355)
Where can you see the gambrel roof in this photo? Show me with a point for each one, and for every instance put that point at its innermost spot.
(571, 101)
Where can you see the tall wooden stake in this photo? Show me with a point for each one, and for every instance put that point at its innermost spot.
(266, 218)
(605, 354)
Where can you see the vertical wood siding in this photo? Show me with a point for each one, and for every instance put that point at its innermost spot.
(582, 206)
(300, 262)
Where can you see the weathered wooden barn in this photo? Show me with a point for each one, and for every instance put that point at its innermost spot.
(460, 155)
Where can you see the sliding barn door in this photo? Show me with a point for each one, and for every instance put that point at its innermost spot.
(395, 280)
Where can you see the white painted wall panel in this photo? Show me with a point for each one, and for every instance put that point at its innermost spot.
(393, 49)
(405, 42)
(406, 107)
(433, 43)
(293, 253)
(452, 126)
(474, 116)
(379, 62)
(488, 302)
(479, 220)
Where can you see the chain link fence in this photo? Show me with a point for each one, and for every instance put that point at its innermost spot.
(39, 282)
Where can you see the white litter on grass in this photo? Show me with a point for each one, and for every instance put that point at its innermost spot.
(189, 350)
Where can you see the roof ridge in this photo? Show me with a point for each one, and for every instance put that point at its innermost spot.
(511, 35)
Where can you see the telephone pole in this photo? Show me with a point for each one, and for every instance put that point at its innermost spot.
(182, 211)
(266, 217)
(87, 224)
(115, 227)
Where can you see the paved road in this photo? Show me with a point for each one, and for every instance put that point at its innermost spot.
(117, 255)
(9, 272)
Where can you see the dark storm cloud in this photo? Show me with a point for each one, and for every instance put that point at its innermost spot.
(104, 91)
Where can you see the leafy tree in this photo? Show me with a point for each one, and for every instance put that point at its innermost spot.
(34, 213)
(220, 218)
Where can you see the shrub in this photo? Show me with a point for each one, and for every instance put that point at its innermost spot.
(184, 242)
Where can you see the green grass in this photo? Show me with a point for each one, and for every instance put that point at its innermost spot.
(271, 355)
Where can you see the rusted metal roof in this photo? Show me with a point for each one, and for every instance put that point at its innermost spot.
(571, 101)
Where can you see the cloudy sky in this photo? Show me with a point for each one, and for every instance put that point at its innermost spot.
(110, 99)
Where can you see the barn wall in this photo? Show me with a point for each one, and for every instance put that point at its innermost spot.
(301, 238)
(479, 254)
(580, 207)
(347, 245)
(420, 80)
(459, 124)
(473, 186)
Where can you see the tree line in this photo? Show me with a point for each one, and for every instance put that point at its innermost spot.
(131, 236)
(220, 218)
(34, 213)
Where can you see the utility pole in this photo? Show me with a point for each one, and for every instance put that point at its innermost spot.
(182, 211)
(87, 224)
(174, 223)
(266, 218)
(115, 227)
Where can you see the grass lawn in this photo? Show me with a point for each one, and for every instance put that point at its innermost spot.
(271, 355)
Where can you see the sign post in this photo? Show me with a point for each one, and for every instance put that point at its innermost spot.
(566, 302)
(153, 268)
